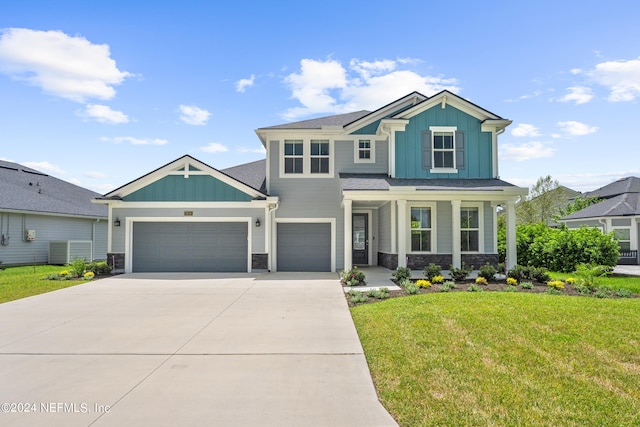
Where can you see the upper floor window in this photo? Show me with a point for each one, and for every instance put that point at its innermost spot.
(443, 149)
(469, 230)
(293, 156)
(319, 156)
(364, 151)
(303, 158)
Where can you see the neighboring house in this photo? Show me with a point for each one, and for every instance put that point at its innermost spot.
(411, 183)
(36, 208)
(618, 211)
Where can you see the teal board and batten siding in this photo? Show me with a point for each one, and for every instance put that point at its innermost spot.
(308, 198)
(195, 188)
(477, 145)
(47, 228)
(257, 233)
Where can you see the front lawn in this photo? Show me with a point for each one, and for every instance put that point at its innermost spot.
(22, 282)
(614, 281)
(498, 358)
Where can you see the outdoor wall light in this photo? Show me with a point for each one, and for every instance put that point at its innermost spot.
(257, 222)
(116, 223)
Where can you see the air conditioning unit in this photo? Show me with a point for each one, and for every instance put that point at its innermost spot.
(63, 252)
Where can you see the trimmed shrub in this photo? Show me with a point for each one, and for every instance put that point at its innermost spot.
(459, 274)
(488, 272)
(401, 274)
(432, 270)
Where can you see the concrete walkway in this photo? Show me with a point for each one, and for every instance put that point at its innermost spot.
(186, 350)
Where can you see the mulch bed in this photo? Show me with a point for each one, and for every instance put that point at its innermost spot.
(496, 286)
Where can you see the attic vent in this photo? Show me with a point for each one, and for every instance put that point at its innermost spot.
(9, 168)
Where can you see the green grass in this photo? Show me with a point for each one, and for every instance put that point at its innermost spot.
(507, 359)
(616, 281)
(22, 282)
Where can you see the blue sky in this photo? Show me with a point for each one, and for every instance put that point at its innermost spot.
(100, 93)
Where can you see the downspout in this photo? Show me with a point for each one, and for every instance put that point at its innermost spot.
(271, 225)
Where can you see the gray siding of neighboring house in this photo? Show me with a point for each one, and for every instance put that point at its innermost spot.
(345, 154)
(580, 223)
(47, 228)
(257, 233)
(621, 222)
(384, 228)
(308, 198)
(100, 240)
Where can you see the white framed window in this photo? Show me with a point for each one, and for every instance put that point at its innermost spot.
(320, 156)
(364, 150)
(443, 149)
(421, 230)
(471, 228)
(293, 156)
(306, 158)
(623, 235)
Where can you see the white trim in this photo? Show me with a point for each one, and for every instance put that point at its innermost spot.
(436, 195)
(480, 207)
(306, 157)
(253, 204)
(277, 221)
(445, 129)
(369, 213)
(128, 235)
(372, 149)
(434, 221)
(171, 168)
(453, 100)
(380, 114)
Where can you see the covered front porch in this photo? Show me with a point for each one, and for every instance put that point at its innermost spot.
(412, 226)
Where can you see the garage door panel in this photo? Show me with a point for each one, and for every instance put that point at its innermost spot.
(189, 247)
(304, 247)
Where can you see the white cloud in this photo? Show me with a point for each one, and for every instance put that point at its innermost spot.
(193, 115)
(577, 94)
(214, 147)
(622, 78)
(135, 141)
(75, 181)
(575, 71)
(524, 129)
(527, 151)
(95, 175)
(574, 128)
(329, 87)
(45, 167)
(6, 160)
(104, 114)
(243, 84)
(64, 66)
(260, 150)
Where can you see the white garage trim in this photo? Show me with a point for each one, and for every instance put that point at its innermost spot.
(128, 236)
(274, 240)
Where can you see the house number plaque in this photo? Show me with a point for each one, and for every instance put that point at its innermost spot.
(188, 213)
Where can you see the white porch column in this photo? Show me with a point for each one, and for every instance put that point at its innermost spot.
(394, 228)
(512, 252)
(456, 257)
(402, 233)
(348, 235)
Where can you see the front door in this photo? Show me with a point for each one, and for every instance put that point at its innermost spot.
(360, 242)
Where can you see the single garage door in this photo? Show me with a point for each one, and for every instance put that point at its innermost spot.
(189, 246)
(304, 247)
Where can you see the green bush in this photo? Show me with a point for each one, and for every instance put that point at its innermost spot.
(447, 286)
(474, 288)
(522, 273)
(401, 274)
(381, 293)
(353, 277)
(358, 297)
(409, 287)
(459, 274)
(488, 271)
(432, 270)
(526, 285)
(99, 268)
(78, 267)
(589, 276)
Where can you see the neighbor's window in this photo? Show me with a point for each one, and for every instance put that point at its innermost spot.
(319, 156)
(469, 230)
(624, 238)
(443, 150)
(420, 229)
(293, 156)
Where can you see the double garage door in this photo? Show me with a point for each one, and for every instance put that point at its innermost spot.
(190, 247)
(304, 246)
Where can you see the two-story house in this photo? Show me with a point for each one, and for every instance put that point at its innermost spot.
(411, 183)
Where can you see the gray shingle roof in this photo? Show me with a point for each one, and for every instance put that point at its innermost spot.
(620, 205)
(358, 182)
(336, 120)
(630, 184)
(26, 189)
(252, 174)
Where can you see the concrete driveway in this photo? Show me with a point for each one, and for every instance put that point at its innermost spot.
(186, 349)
